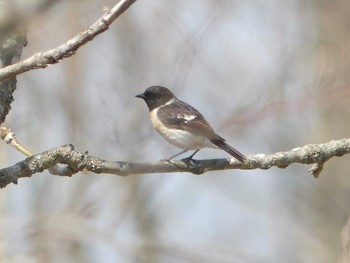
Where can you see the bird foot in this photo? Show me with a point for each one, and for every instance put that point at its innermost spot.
(190, 162)
(194, 166)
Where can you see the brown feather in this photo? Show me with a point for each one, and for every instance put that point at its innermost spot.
(183, 116)
(229, 149)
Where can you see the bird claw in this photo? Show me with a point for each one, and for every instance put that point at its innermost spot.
(193, 165)
(189, 161)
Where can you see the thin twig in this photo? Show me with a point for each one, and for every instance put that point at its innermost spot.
(43, 59)
(10, 138)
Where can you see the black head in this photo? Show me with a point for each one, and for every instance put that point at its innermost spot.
(156, 96)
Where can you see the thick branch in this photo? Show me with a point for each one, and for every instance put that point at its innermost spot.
(10, 52)
(77, 161)
(43, 59)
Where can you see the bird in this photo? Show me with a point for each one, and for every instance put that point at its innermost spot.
(182, 125)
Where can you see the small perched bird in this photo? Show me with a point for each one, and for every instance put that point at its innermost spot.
(181, 124)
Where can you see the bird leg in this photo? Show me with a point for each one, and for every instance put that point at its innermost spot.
(171, 157)
(189, 158)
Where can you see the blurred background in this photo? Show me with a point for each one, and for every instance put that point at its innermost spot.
(268, 75)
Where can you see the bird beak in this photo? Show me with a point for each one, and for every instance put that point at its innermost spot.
(141, 96)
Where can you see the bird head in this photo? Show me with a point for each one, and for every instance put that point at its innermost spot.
(156, 96)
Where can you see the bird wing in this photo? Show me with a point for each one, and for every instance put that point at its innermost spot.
(183, 116)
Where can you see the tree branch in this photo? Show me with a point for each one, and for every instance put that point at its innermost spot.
(10, 52)
(43, 59)
(77, 161)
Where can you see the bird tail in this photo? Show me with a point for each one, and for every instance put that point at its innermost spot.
(230, 150)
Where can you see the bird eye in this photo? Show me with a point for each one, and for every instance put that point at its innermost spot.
(148, 94)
